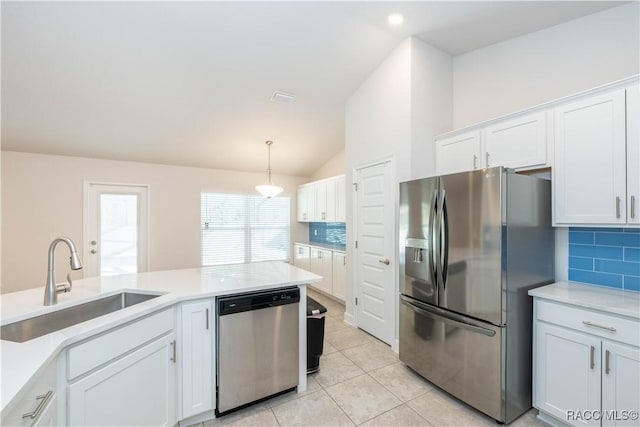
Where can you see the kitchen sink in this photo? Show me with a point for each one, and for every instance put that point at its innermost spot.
(38, 326)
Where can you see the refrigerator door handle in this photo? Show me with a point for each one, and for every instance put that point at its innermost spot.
(433, 252)
(445, 317)
(444, 241)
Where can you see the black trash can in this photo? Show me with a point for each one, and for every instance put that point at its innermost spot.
(315, 334)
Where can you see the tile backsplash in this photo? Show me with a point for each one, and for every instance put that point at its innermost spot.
(331, 233)
(605, 256)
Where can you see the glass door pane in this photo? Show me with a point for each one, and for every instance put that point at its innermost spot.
(118, 234)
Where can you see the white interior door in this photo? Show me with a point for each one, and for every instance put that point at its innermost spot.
(375, 262)
(116, 229)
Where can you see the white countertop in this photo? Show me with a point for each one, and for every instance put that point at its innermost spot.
(22, 362)
(611, 300)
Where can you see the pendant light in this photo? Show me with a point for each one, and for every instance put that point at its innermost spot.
(269, 190)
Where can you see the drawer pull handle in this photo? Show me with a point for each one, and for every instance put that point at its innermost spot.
(618, 207)
(607, 368)
(43, 398)
(595, 325)
(592, 357)
(207, 318)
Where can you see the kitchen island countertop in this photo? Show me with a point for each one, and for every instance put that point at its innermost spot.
(22, 362)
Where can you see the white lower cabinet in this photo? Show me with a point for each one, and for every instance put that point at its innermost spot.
(125, 377)
(586, 366)
(320, 263)
(339, 288)
(301, 256)
(136, 390)
(38, 405)
(196, 361)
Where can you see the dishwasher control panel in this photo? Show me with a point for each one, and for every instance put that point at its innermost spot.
(256, 301)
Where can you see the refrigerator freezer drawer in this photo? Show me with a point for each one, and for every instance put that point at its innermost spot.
(460, 355)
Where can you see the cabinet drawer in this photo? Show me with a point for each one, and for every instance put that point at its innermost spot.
(595, 323)
(35, 400)
(90, 354)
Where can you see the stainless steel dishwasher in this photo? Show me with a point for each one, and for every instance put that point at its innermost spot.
(257, 346)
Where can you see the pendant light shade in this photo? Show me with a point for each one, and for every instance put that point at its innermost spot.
(269, 190)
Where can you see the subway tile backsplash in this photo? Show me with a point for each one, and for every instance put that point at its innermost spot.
(331, 233)
(605, 256)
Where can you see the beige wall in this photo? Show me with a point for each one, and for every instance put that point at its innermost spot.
(334, 166)
(43, 194)
(546, 65)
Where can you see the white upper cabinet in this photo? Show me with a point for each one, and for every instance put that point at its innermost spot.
(589, 174)
(306, 203)
(459, 153)
(322, 201)
(633, 155)
(320, 213)
(517, 143)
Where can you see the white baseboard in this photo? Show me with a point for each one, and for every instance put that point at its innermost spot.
(349, 319)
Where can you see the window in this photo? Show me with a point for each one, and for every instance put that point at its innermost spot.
(238, 228)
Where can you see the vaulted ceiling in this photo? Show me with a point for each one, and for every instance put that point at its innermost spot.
(189, 83)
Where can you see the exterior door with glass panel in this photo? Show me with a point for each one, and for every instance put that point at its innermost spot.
(116, 233)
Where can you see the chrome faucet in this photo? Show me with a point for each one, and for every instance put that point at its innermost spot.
(51, 290)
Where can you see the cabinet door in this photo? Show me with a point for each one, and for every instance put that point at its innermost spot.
(196, 359)
(633, 155)
(566, 372)
(458, 154)
(339, 275)
(321, 202)
(301, 256)
(517, 143)
(135, 390)
(49, 416)
(589, 178)
(303, 204)
(330, 215)
(620, 383)
(320, 264)
(341, 199)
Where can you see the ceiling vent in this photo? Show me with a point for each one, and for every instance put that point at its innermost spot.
(283, 97)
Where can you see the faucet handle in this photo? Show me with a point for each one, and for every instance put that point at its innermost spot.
(66, 286)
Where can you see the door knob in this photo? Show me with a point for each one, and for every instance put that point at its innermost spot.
(384, 261)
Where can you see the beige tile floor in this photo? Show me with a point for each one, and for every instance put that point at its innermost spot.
(362, 382)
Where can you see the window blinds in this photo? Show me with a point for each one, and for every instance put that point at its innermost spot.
(238, 228)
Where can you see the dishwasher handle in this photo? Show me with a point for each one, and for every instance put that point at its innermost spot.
(257, 301)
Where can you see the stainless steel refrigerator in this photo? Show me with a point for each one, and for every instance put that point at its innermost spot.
(471, 245)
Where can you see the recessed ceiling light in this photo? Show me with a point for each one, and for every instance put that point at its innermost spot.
(395, 19)
(283, 97)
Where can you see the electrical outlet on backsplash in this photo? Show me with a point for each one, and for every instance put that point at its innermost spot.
(331, 233)
(605, 256)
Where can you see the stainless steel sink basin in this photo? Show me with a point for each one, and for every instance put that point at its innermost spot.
(38, 326)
